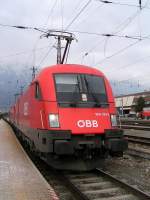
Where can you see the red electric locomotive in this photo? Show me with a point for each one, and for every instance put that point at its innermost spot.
(68, 117)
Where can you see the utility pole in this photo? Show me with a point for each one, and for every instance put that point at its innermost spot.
(122, 106)
(138, 83)
(16, 95)
(140, 4)
(34, 69)
(21, 90)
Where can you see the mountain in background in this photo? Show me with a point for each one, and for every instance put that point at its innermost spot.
(11, 81)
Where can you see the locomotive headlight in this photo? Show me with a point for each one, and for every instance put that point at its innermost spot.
(113, 120)
(54, 120)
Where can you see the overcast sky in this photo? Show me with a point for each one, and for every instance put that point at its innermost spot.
(120, 58)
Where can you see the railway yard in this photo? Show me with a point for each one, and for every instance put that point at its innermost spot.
(125, 178)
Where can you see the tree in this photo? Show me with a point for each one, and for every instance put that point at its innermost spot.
(140, 104)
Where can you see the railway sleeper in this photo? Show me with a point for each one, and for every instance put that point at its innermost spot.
(120, 197)
(87, 180)
(97, 185)
(105, 192)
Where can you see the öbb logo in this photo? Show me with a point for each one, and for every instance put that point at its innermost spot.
(87, 123)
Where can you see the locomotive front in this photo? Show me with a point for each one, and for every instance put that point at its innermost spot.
(83, 118)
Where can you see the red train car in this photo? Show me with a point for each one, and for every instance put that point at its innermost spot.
(68, 117)
(145, 114)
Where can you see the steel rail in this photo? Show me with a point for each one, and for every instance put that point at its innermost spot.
(138, 153)
(137, 139)
(135, 121)
(81, 195)
(137, 127)
(135, 124)
(73, 188)
(135, 191)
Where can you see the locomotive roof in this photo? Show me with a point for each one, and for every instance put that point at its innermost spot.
(70, 68)
(43, 77)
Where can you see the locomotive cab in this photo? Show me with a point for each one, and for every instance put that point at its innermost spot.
(85, 108)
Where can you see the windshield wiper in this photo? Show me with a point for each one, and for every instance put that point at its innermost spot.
(74, 102)
(97, 103)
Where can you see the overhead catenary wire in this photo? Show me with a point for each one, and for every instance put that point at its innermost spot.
(126, 22)
(106, 35)
(42, 30)
(89, 14)
(118, 52)
(111, 35)
(78, 14)
(45, 56)
(119, 28)
(131, 64)
(77, 31)
(22, 53)
(72, 21)
(77, 5)
(50, 12)
(125, 4)
(49, 15)
(98, 34)
(62, 13)
(121, 50)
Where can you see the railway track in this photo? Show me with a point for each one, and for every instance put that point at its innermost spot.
(138, 153)
(98, 185)
(94, 185)
(138, 139)
(138, 146)
(135, 124)
(136, 127)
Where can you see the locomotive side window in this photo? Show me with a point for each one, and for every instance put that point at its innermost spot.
(37, 91)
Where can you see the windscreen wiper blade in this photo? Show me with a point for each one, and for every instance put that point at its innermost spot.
(100, 104)
(88, 88)
(104, 103)
(74, 102)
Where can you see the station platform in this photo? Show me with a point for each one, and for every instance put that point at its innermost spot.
(19, 178)
(140, 133)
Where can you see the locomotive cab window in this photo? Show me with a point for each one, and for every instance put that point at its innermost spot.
(37, 91)
(80, 90)
(67, 83)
